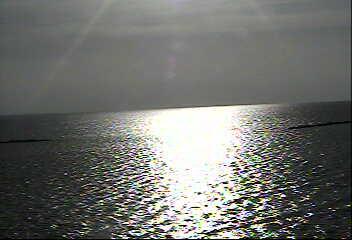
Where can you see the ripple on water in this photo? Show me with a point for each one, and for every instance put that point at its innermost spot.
(226, 172)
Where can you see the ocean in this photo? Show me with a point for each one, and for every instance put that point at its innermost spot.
(208, 172)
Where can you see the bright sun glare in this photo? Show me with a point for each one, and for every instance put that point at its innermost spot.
(195, 145)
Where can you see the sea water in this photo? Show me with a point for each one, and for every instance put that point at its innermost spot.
(213, 172)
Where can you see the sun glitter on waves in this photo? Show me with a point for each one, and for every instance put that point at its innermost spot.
(195, 145)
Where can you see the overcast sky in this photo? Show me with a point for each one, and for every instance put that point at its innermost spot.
(89, 55)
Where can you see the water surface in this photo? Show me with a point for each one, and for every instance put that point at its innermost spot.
(228, 172)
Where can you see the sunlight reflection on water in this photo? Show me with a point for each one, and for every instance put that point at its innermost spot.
(203, 175)
(218, 172)
(195, 147)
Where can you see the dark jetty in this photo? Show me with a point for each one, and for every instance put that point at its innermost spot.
(25, 141)
(318, 125)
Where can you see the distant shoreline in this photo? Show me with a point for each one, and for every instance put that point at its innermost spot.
(172, 107)
(318, 125)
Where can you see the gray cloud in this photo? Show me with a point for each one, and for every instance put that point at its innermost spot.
(64, 56)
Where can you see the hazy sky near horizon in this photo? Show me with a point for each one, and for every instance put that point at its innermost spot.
(111, 55)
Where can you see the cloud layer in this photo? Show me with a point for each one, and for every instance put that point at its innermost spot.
(85, 55)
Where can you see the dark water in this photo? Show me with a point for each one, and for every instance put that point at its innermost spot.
(215, 172)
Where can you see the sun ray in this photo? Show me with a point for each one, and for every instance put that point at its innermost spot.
(63, 61)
